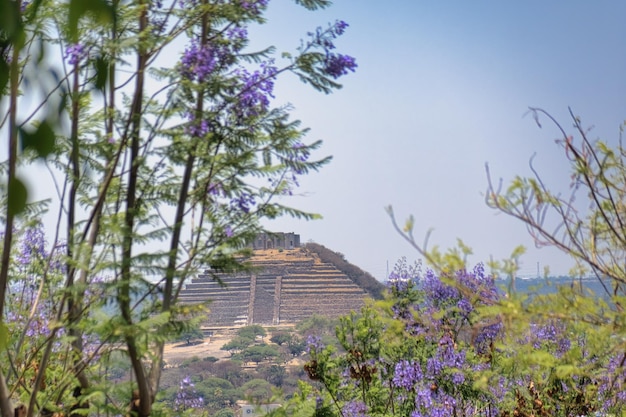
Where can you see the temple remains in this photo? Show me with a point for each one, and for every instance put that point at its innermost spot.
(276, 241)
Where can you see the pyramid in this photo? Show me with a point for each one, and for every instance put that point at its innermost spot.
(286, 286)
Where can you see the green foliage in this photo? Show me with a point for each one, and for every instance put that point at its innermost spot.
(41, 140)
(259, 353)
(281, 338)
(190, 334)
(274, 374)
(17, 194)
(161, 173)
(237, 344)
(257, 390)
(224, 413)
(591, 214)
(251, 332)
(318, 325)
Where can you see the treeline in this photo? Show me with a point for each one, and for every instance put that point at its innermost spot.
(363, 279)
(212, 387)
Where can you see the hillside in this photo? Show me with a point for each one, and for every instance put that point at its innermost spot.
(361, 278)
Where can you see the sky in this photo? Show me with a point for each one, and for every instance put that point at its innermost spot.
(441, 89)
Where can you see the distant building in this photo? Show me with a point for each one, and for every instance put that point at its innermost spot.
(277, 240)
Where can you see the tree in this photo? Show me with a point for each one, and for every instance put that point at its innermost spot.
(224, 413)
(281, 338)
(589, 223)
(251, 332)
(274, 374)
(190, 333)
(259, 353)
(444, 344)
(157, 166)
(258, 390)
(236, 344)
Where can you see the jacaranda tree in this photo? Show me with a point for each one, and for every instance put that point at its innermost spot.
(156, 123)
(452, 342)
(443, 344)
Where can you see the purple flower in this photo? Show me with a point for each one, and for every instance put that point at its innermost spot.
(32, 246)
(354, 409)
(254, 6)
(337, 65)
(314, 343)
(244, 202)
(237, 33)
(198, 62)
(254, 96)
(216, 189)
(228, 231)
(75, 53)
(187, 397)
(423, 398)
(340, 27)
(407, 374)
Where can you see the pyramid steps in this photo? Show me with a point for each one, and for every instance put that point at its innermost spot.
(286, 286)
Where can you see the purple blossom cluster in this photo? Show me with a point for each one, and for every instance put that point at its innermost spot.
(334, 65)
(244, 202)
(314, 344)
(446, 346)
(337, 65)
(196, 128)
(324, 38)
(254, 7)
(354, 409)
(199, 61)
(612, 384)
(216, 189)
(34, 327)
(436, 383)
(237, 34)
(32, 246)
(256, 90)
(75, 53)
(187, 397)
(407, 373)
(550, 336)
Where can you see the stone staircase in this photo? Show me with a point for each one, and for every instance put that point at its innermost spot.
(286, 287)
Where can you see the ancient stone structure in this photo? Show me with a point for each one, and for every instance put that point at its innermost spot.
(278, 240)
(287, 286)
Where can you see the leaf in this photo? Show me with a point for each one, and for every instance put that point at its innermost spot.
(11, 22)
(100, 10)
(41, 140)
(17, 196)
(4, 336)
(565, 371)
(314, 4)
(4, 73)
(101, 65)
(408, 225)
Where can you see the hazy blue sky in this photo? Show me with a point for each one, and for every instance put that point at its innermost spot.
(441, 89)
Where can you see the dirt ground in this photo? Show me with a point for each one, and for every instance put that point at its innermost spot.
(175, 353)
